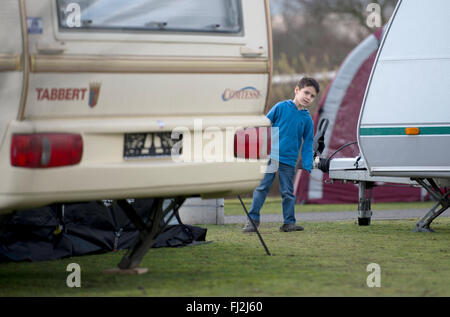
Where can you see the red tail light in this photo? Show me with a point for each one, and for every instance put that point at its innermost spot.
(41, 150)
(252, 143)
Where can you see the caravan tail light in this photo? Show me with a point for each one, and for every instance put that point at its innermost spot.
(42, 150)
(252, 143)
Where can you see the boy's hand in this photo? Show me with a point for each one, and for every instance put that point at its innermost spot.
(300, 167)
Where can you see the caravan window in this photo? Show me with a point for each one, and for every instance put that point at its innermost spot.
(217, 16)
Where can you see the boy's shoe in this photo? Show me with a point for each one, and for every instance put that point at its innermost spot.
(249, 226)
(290, 227)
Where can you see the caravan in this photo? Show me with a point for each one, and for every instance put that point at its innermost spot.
(108, 100)
(404, 124)
(91, 92)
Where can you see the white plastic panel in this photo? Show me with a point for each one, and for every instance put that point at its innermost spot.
(409, 87)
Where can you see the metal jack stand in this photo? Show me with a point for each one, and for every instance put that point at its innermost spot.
(147, 231)
(254, 225)
(364, 211)
(443, 200)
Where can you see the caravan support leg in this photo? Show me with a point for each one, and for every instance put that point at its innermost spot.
(364, 212)
(443, 200)
(147, 231)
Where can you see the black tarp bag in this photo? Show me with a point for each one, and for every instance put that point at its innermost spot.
(65, 230)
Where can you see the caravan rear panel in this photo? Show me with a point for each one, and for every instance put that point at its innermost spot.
(124, 75)
(404, 126)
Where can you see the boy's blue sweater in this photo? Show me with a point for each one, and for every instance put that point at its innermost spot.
(293, 126)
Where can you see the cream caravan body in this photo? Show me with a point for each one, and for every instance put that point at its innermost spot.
(114, 79)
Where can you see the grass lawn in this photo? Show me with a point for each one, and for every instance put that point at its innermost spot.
(327, 259)
(272, 205)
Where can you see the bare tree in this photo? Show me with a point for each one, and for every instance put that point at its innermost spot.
(358, 9)
(316, 35)
(323, 30)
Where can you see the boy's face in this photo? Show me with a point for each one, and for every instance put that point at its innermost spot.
(305, 96)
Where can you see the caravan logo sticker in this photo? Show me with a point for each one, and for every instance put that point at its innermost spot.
(53, 94)
(244, 93)
(94, 93)
(70, 94)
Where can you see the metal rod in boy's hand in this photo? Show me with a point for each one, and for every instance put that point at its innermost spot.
(254, 226)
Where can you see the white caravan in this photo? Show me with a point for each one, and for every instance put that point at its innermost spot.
(404, 124)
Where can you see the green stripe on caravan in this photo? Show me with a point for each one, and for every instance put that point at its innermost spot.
(401, 131)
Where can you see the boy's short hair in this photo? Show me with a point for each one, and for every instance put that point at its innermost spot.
(308, 81)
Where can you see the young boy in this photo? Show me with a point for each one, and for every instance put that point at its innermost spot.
(294, 124)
